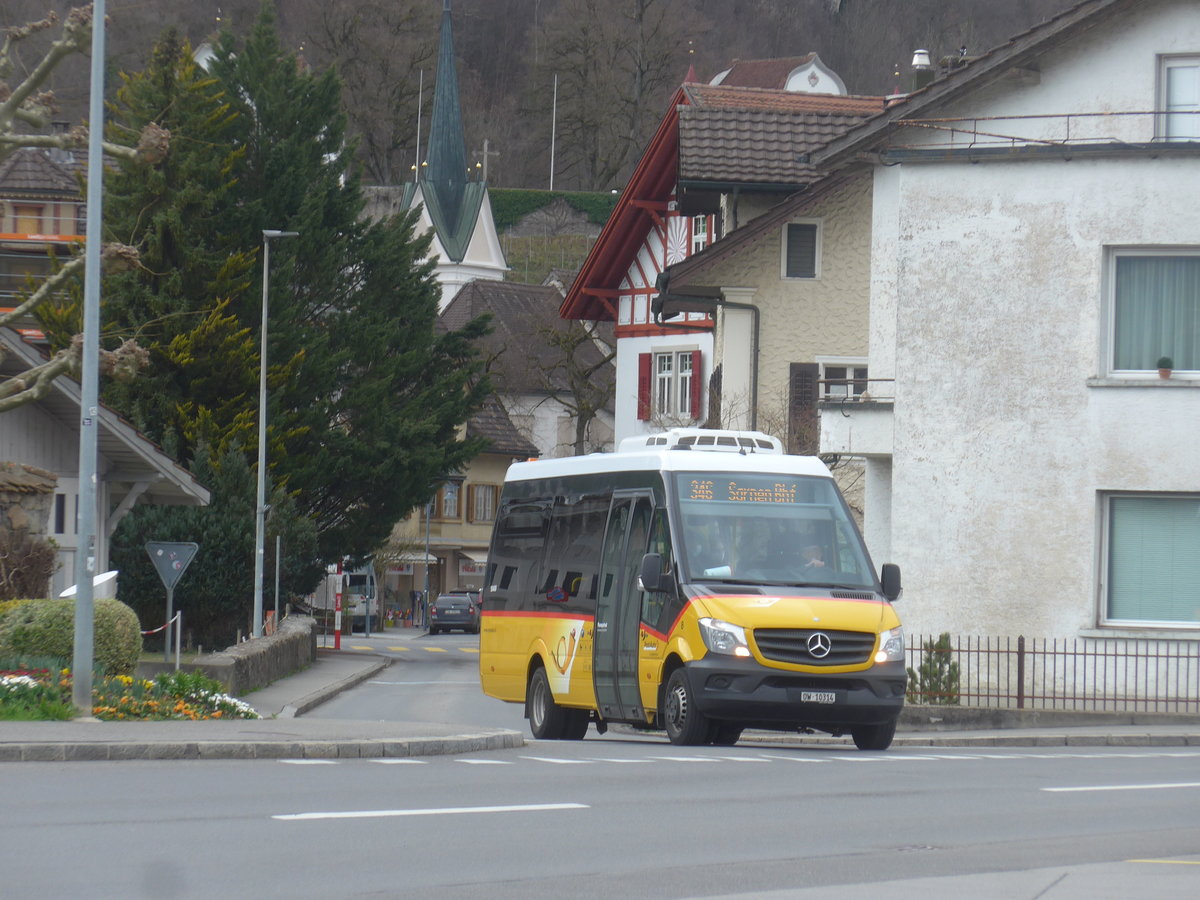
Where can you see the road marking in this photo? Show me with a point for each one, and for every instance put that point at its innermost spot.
(434, 649)
(863, 758)
(485, 762)
(560, 762)
(469, 649)
(1123, 787)
(399, 649)
(362, 647)
(749, 759)
(445, 811)
(310, 762)
(1168, 862)
(399, 762)
(799, 759)
(614, 759)
(687, 759)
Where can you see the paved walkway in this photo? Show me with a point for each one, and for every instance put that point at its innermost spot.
(284, 732)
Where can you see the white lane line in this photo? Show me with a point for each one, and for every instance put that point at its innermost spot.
(750, 759)
(799, 759)
(863, 758)
(485, 762)
(310, 762)
(616, 759)
(399, 762)
(444, 811)
(1123, 787)
(687, 759)
(559, 762)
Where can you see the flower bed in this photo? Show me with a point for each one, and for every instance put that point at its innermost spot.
(39, 692)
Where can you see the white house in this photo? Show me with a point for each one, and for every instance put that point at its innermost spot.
(1035, 250)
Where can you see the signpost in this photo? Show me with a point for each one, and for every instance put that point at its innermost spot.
(170, 561)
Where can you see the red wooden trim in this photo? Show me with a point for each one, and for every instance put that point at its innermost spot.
(645, 360)
(695, 384)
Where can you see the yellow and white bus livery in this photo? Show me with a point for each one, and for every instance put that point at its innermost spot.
(702, 582)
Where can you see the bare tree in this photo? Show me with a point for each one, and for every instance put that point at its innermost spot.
(578, 373)
(26, 112)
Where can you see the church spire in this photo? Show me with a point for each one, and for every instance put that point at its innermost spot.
(446, 174)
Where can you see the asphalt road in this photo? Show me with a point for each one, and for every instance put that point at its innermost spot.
(617, 816)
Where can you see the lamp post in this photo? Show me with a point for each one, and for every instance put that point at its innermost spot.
(260, 520)
(425, 597)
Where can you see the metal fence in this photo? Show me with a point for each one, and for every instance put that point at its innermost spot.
(1101, 674)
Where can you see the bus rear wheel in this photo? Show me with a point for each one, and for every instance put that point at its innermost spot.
(874, 737)
(684, 722)
(547, 720)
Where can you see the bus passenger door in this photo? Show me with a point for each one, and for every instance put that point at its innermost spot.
(618, 609)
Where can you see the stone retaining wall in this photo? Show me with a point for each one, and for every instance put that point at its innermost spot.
(253, 664)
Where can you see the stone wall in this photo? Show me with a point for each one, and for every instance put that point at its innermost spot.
(254, 664)
(26, 493)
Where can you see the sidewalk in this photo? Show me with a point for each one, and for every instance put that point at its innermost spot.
(284, 733)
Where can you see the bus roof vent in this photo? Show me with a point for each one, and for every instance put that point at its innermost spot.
(707, 439)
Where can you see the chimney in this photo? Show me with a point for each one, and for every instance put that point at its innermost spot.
(922, 70)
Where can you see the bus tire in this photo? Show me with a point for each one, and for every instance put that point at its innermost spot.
(576, 724)
(726, 735)
(685, 724)
(874, 737)
(547, 719)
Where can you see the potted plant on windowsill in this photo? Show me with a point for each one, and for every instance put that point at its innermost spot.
(1165, 365)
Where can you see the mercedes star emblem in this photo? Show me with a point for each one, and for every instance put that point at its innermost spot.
(819, 645)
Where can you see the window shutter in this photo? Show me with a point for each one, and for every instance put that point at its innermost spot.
(801, 251)
(470, 510)
(643, 388)
(696, 384)
(804, 433)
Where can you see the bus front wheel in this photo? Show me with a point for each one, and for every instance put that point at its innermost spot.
(874, 737)
(547, 720)
(685, 723)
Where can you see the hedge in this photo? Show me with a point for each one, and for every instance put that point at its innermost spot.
(47, 628)
(509, 205)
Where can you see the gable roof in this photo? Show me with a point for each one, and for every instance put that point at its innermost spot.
(524, 318)
(493, 424)
(981, 71)
(730, 130)
(32, 171)
(133, 456)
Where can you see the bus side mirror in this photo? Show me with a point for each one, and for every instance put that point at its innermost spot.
(889, 575)
(652, 577)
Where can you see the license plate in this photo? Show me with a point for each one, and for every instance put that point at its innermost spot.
(818, 697)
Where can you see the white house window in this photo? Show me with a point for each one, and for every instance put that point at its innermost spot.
(847, 379)
(699, 233)
(1155, 309)
(801, 250)
(668, 384)
(1152, 559)
(1180, 90)
(449, 498)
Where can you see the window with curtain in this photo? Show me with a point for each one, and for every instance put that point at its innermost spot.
(1156, 309)
(1180, 88)
(1153, 559)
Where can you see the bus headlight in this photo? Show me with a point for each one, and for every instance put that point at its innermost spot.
(891, 646)
(724, 637)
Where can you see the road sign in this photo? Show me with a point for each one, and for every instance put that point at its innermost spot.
(171, 559)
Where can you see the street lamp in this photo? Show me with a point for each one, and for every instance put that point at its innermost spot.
(260, 519)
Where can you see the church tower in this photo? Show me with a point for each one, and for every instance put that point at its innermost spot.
(455, 205)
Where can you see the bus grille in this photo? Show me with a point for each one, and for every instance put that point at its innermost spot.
(791, 645)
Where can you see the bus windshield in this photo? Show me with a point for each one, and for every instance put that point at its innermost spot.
(768, 529)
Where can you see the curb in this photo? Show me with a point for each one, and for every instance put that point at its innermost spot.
(96, 751)
(316, 698)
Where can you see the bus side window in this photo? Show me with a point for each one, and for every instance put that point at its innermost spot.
(654, 602)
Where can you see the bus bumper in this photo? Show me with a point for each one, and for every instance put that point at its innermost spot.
(754, 696)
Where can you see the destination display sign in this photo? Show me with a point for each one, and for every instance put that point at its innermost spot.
(740, 490)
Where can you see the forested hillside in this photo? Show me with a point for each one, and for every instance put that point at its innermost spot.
(614, 63)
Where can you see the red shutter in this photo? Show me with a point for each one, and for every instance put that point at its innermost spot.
(696, 382)
(643, 389)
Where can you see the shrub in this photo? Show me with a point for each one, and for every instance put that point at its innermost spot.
(47, 628)
(936, 679)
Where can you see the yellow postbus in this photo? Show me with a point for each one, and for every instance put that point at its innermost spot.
(696, 581)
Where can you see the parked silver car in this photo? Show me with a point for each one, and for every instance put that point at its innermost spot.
(455, 609)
